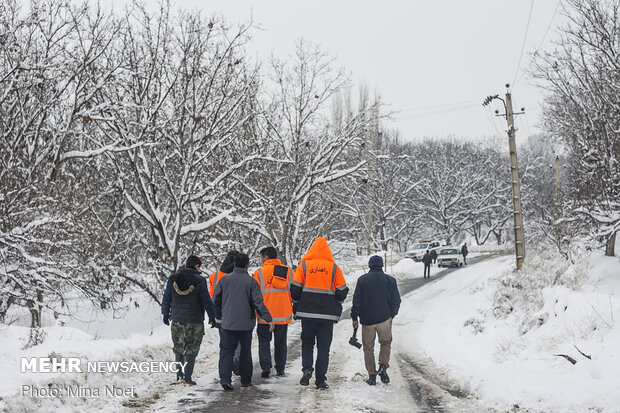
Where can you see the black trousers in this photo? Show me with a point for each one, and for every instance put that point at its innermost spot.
(427, 267)
(279, 346)
(321, 332)
(228, 343)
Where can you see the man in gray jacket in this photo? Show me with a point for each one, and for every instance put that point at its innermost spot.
(237, 299)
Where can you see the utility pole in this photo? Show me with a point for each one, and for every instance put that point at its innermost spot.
(514, 174)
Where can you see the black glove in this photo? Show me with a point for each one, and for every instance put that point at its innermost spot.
(166, 320)
(212, 323)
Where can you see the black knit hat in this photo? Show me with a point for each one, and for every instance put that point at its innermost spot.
(375, 262)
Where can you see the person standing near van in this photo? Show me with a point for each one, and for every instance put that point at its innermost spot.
(464, 252)
(426, 259)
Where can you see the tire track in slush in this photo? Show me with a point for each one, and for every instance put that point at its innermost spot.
(284, 393)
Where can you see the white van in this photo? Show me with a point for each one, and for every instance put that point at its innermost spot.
(420, 248)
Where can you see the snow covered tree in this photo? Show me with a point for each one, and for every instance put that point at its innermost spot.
(182, 100)
(458, 185)
(491, 217)
(378, 203)
(306, 152)
(48, 80)
(581, 77)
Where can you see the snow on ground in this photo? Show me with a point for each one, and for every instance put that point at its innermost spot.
(498, 333)
(91, 335)
(491, 334)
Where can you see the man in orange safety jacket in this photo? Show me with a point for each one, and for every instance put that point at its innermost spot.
(318, 290)
(226, 268)
(275, 281)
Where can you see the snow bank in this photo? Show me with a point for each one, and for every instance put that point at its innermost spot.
(70, 342)
(499, 333)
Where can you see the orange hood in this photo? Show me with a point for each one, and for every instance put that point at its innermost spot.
(319, 251)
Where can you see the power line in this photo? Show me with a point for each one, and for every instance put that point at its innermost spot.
(544, 36)
(436, 112)
(487, 112)
(549, 26)
(527, 125)
(529, 18)
(439, 106)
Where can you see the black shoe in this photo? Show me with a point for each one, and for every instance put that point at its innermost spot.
(322, 386)
(246, 384)
(305, 379)
(179, 358)
(236, 367)
(383, 374)
(227, 387)
(265, 374)
(372, 379)
(189, 370)
(280, 373)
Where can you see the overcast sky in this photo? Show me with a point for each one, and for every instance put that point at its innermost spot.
(434, 61)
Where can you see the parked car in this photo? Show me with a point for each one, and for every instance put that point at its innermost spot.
(450, 257)
(420, 249)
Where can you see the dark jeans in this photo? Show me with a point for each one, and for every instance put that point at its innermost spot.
(321, 331)
(279, 346)
(228, 342)
(427, 267)
(465, 259)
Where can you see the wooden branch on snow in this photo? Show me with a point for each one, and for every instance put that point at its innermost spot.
(582, 353)
(569, 358)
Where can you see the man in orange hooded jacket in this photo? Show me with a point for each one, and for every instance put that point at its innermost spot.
(226, 268)
(275, 281)
(318, 290)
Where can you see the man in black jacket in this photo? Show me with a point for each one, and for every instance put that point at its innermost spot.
(464, 252)
(185, 301)
(376, 301)
(426, 259)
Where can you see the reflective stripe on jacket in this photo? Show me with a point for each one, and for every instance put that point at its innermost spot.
(318, 285)
(276, 290)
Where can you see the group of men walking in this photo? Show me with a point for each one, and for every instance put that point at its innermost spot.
(273, 296)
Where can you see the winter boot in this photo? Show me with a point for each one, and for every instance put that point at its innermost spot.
(189, 369)
(305, 379)
(179, 358)
(227, 387)
(322, 386)
(265, 373)
(383, 373)
(372, 379)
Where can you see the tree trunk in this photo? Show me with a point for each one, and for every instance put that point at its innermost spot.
(610, 245)
(498, 237)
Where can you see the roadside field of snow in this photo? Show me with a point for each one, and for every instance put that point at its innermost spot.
(498, 333)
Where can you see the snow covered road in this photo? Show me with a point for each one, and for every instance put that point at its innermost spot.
(416, 385)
